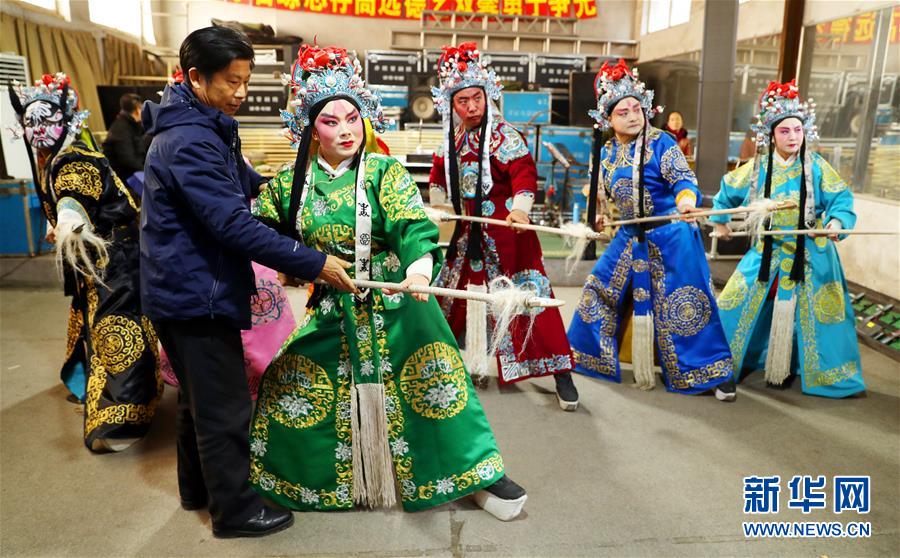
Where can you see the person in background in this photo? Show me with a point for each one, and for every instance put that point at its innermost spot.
(125, 145)
(675, 126)
(197, 239)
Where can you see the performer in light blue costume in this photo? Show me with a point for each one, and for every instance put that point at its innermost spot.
(659, 268)
(786, 308)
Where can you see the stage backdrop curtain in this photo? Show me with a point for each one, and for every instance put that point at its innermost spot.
(52, 49)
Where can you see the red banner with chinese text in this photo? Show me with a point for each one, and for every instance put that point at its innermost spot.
(856, 30)
(412, 9)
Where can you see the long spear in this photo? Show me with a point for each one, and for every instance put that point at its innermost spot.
(575, 231)
(762, 206)
(527, 300)
(823, 232)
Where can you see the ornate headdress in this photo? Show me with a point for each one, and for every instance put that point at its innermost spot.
(55, 89)
(780, 101)
(614, 83)
(322, 73)
(777, 102)
(461, 67)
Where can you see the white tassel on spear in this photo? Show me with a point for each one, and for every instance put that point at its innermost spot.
(500, 300)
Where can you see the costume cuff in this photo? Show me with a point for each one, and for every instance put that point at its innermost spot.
(834, 223)
(437, 195)
(523, 202)
(422, 266)
(685, 198)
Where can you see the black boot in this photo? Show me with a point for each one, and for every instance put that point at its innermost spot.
(726, 391)
(504, 499)
(566, 394)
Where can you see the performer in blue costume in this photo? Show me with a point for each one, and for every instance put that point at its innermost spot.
(658, 268)
(786, 308)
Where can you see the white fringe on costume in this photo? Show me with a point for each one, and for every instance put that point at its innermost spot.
(373, 469)
(477, 358)
(781, 341)
(78, 246)
(510, 302)
(580, 232)
(642, 351)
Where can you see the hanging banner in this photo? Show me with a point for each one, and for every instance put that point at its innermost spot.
(412, 9)
(856, 30)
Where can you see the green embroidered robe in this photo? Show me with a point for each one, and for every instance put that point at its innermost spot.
(440, 440)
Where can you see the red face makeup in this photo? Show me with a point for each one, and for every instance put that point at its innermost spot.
(470, 104)
(627, 117)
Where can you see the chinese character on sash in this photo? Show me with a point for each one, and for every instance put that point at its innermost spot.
(807, 493)
(761, 494)
(851, 494)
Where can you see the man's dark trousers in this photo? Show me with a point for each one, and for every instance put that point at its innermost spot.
(213, 417)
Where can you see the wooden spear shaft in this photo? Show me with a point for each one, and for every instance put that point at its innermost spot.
(811, 231)
(531, 302)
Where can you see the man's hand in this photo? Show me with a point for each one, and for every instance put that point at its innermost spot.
(686, 211)
(333, 273)
(833, 224)
(51, 235)
(518, 216)
(601, 222)
(723, 231)
(414, 279)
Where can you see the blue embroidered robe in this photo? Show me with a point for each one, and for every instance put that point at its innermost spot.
(691, 347)
(826, 351)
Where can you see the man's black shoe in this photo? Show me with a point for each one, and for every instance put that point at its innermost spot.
(267, 521)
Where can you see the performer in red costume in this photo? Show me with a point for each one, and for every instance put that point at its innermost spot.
(497, 179)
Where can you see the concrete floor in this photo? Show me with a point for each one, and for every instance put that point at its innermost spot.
(630, 474)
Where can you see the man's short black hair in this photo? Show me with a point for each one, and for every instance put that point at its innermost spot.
(130, 102)
(212, 49)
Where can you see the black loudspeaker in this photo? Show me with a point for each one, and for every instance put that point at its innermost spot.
(110, 95)
(421, 104)
(582, 98)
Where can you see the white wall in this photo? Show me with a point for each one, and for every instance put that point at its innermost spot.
(756, 18)
(873, 261)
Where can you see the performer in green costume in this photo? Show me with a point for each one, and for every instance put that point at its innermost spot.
(371, 385)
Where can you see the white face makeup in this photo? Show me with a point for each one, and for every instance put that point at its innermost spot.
(43, 124)
(627, 117)
(789, 136)
(339, 131)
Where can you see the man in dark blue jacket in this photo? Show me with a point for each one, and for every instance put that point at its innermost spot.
(197, 239)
